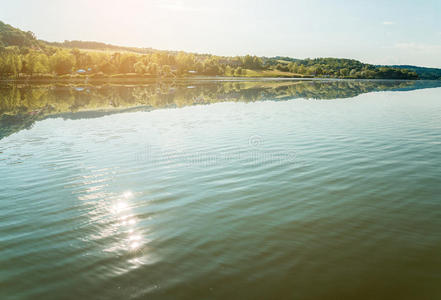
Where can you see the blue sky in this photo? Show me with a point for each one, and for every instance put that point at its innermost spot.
(379, 32)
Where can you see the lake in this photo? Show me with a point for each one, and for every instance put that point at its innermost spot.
(221, 189)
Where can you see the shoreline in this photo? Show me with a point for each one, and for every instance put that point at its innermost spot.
(149, 80)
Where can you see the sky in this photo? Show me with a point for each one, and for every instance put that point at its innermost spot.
(377, 32)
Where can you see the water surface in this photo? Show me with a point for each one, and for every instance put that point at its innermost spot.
(221, 190)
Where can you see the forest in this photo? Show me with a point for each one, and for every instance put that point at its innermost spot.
(23, 56)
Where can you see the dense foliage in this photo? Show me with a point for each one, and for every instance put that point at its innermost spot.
(11, 36)
(22, 55)
(342, 68)
(423, 73)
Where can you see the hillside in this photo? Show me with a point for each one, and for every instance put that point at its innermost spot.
(11, 36)
(100, 46)
(23, 56)
(423, 72)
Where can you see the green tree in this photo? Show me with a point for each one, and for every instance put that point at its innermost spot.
(153, 68)
(238, 71)
(139, 67)
(127, 62)
(62, 62)
(166, 70)
(344, 72)
(229, 71)
(35, 62)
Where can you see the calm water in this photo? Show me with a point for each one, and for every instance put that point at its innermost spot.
(250, 190)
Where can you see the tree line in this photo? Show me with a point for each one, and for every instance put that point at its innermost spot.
(16, 62)
(22, 55)
(344, 68)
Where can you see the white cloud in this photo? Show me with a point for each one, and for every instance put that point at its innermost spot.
(388, 23)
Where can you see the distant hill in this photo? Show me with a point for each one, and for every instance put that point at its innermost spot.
(11, 36)
(423, 72)
(285, 59)
(100, 46)
(23, 55)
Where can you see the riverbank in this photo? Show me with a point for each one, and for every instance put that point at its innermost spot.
(136, 78)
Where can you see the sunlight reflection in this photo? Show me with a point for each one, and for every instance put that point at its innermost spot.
(113, 215)
(119, 207)
(134, 245)
(128, 194)
(126, 220)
